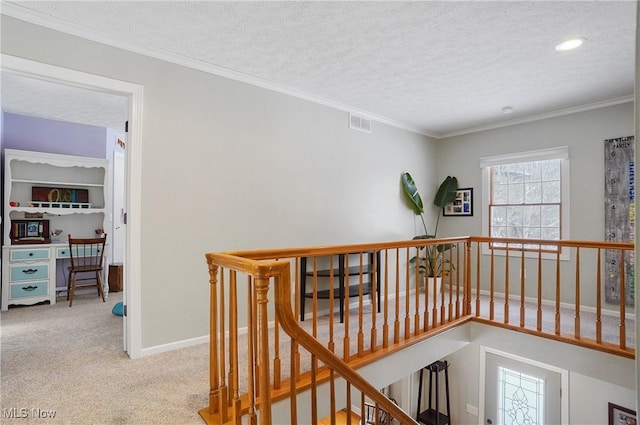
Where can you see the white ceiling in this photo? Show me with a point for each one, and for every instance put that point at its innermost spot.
(29, 96)
(437, 67)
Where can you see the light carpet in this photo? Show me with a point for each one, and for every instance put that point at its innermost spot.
(71, 361)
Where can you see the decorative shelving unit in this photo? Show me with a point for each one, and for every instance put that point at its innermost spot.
(60, 177)
(44, 192)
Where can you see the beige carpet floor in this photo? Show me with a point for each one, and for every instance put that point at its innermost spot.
(71, 361)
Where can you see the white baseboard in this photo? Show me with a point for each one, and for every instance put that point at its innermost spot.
(613, 313)
(163, 348)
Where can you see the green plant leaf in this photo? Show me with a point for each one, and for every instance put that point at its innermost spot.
(446, 192)
(410, 189)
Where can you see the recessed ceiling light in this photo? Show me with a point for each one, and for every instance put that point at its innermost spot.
(570, 44)
(507, 109)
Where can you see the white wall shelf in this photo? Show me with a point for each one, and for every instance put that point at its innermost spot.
(25, 170)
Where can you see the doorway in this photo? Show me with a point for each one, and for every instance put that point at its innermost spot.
(521, 391)
(130, 165)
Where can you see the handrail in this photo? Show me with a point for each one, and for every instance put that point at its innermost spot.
(486, 281)
(290, 325)
(274, 253)
(280, 271)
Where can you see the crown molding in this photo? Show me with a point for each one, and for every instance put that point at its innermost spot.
(546, 115)
(18, 12)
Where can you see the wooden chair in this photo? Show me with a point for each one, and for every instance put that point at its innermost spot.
(87, 256)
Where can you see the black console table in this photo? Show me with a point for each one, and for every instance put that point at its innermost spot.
(342, 273)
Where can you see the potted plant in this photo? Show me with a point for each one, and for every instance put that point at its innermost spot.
(432, 262)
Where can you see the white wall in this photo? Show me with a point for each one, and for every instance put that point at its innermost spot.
(227, 166)
(589, 399)
(584, 133)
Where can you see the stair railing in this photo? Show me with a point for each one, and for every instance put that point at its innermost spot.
(225, 404)
(263, 351)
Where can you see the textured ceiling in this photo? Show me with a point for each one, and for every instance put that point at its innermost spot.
(439, 67)
(34, 97)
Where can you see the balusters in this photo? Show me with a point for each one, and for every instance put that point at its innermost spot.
(261, 288)
(346, 343)
(396, 322)
(251, 349)
(214, 371)
(577, 303)
(457, 274)
(599, 297)
(276, 355)
(478, 250)
(360, 305)
(441, 264)
(623, 303)
(407, 291)
(419, 276)
(385, 298)
(539, 310)
(374, 300)
(331, 302)
(522, 288)
(295, 351)
(314, 307)
(492, 284)
(223, 388)
(558, 316)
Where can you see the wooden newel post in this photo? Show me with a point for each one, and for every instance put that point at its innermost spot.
(262, 288)
(214, 396)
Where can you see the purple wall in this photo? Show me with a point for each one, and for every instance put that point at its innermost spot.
(42, 135)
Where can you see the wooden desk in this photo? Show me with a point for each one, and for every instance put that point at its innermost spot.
(29, 273)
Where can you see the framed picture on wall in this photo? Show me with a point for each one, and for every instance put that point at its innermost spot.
(619, 415)
(463, 204)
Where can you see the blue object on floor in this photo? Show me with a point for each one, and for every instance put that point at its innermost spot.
(118, 309)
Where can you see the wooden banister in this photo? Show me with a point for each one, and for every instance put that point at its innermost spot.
(398, 307)
(290, 325)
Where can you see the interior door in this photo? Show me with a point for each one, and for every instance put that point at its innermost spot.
(119, 229)
(119, 208)
(520, 393)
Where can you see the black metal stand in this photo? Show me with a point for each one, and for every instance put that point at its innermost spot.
(432, 415)
(343, 290)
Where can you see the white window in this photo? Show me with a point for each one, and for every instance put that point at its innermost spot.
(520, 398)
(526, 195)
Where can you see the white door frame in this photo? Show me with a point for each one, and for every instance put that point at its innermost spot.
(564, 381)
(132, 271)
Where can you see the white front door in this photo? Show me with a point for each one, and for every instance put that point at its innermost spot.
(518, 391)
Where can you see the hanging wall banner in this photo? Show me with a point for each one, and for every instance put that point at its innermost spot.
(619, 217)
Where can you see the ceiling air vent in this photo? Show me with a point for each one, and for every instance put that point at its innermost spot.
(359, 123)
